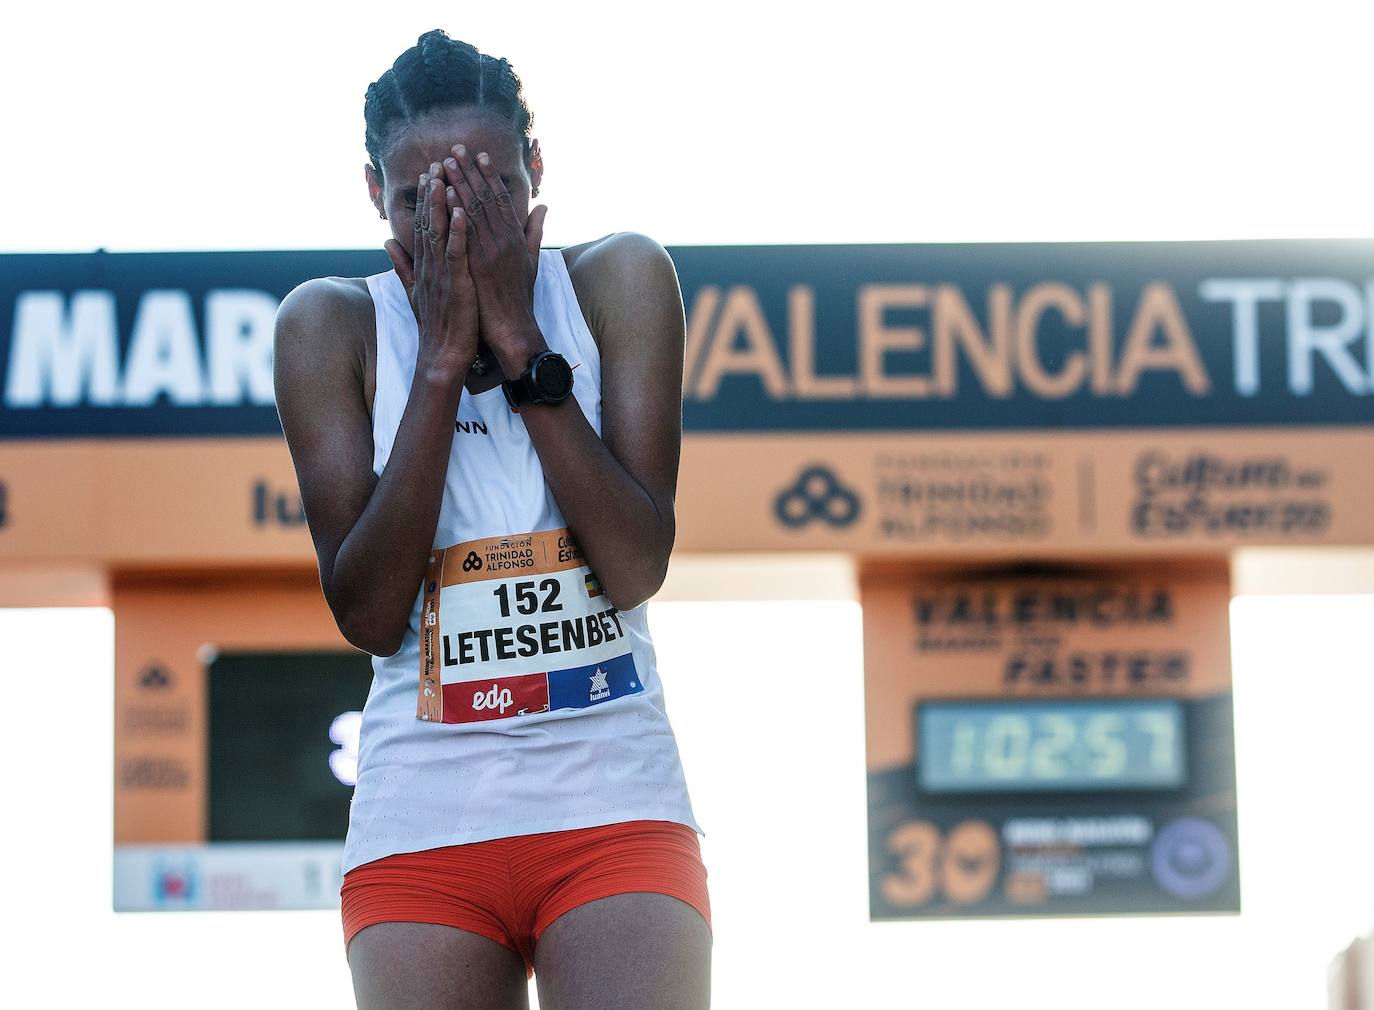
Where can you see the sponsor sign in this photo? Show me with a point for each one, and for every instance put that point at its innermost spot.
(237, 724)
(266, 875)
(909, 399)
(780, 338)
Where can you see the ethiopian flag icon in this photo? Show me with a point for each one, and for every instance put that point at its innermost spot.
(593, 586)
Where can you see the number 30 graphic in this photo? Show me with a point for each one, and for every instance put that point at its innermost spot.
(964, 864)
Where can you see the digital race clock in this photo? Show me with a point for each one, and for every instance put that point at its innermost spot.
(1050, 745)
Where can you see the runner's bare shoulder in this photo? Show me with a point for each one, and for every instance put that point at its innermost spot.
(318, 369)
(325, 317)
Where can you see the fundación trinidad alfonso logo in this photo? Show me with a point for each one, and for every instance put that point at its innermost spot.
(817, 495)
(154, 677)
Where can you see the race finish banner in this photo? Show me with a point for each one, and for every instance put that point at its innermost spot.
(1068, 398)
(1036, 747)
(1050, 740)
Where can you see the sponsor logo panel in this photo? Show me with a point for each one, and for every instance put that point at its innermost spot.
(500, 698)
(591, 685)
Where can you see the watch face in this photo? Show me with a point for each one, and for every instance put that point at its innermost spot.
(552, 377)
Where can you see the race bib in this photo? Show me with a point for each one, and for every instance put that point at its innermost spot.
(515, 625)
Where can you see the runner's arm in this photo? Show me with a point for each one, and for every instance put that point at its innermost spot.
(617, 491)
(372, 536)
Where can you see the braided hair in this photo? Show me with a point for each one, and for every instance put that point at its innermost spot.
(440, 72)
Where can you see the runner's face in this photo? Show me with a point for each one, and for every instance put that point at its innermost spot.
(415, 146)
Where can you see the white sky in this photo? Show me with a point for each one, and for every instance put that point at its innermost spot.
(193, 126)
(136, 126)
(780, 794)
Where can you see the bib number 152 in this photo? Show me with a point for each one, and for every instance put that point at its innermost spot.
(527, 600)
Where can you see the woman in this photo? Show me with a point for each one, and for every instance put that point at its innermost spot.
(487, 441)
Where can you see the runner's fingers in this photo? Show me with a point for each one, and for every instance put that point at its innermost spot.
(421, 222)
(454, 247)
(471, 187)
(420, 187)
(480, 187)
(454, 177)
(438, 212)
(457, 249)
(501, 197)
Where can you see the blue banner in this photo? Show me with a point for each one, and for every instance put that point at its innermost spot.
(780, 338)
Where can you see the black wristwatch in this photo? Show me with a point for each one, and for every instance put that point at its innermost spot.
(547, 379)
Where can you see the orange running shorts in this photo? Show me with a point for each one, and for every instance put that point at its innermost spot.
(511, 889)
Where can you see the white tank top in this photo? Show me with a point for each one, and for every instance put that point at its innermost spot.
(529, 704)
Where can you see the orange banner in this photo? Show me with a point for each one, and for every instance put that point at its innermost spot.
(182, 502)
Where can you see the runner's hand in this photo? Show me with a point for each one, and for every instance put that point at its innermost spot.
(437, 280)
(503, 252)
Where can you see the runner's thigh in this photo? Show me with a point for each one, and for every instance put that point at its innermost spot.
(640, 950)
(425, 966)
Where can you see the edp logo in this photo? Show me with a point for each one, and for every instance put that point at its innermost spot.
(496, 698)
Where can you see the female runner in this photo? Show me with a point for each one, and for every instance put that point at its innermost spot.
(487, 441)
